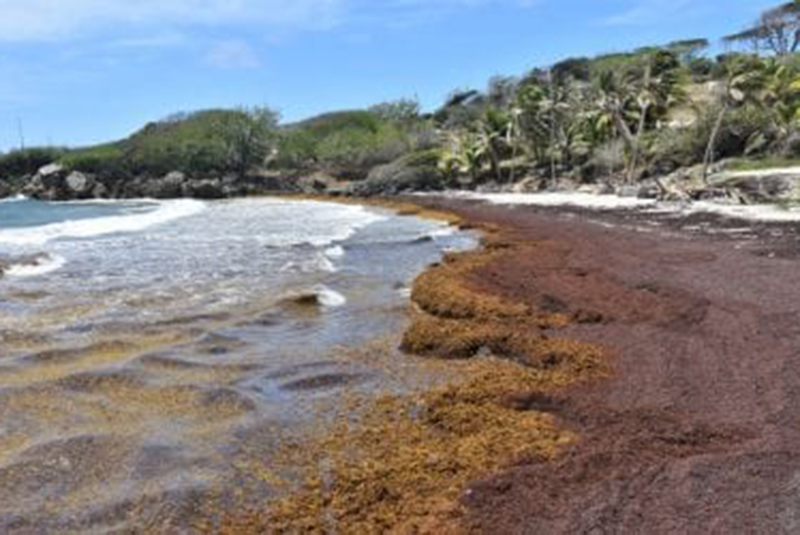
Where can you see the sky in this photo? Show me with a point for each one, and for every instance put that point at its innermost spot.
(78, 72)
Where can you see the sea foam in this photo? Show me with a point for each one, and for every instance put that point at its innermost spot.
(87, 228)
(50, 264)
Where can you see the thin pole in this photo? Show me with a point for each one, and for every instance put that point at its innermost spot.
(21, 133)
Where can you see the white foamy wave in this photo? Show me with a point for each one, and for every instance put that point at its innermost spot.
(335, 252)
(15, 198)
(443, 232)
(86, 228)
(330, 298)
(42, 267)
(297, 223)
(320, 263)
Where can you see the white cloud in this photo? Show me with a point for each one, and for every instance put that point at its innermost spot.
(233, 55)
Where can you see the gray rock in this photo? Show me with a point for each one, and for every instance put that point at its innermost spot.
(170, 186)
(51, 170)
(767, 186)
(80, 185)
(628, 191)
(204, 189)
(5, 189)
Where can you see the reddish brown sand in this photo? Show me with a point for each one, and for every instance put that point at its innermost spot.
(698, 428)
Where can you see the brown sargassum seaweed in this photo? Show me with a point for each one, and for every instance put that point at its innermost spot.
(402, 464)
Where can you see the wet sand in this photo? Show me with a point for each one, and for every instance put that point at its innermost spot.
(695, 430)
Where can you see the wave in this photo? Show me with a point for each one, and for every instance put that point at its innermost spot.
(335, 252)
(319, 263)
(15, 198)
(330, 298)
(48, 264)
(87, 228)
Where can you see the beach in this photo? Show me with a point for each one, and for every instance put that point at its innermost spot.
(621, 368)
(692, 429)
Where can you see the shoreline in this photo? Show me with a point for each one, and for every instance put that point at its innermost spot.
(594, 352)
(679, 385)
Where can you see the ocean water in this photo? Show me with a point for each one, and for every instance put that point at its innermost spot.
(158, 352)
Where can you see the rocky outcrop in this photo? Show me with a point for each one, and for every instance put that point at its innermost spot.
(47, 183)
(169, 186)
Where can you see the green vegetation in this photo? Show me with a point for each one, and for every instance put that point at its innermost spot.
(351, 143)
(633, 115)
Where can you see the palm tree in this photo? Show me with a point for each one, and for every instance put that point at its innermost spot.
(744, 81)
(781, 94)
(642, 97)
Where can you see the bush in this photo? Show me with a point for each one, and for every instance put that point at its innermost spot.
(416, 171)
(353, 141)
(19, 163)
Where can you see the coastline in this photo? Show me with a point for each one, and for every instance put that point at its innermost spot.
(615, 368)
(677, 419)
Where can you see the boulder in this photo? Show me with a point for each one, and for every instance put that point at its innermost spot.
(80, 185)
(47, 183)
(204, 189)
(170, 186)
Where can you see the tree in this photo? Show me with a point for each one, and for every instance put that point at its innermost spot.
(777, 30)
(402, 111)
(641, 99)
(248, 135)
(688, 50)
(743, 81)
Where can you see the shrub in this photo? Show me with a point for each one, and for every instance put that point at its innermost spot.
(19, 163)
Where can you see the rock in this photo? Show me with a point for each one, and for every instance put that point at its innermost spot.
(204, 189)
(649, 190)
(51, 170)
(318, 183)
(529, 184)
(171, 186)
(5, 189)
(80, 185)
(55, 182)
(627, 191)
(768, 186)
(100, 191)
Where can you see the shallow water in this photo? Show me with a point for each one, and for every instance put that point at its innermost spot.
(163, 352)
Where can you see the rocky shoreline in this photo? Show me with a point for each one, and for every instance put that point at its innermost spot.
(55, 182)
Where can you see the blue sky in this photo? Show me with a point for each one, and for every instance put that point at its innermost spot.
(76, 72)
